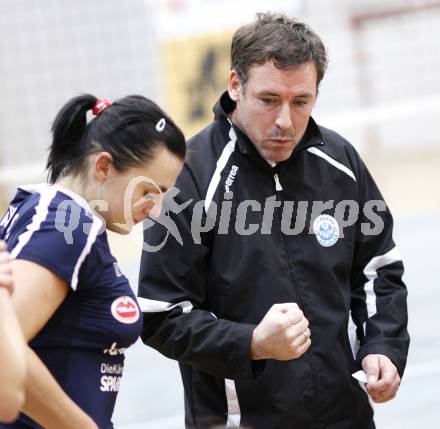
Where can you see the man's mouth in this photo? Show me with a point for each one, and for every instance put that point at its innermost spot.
(281, 140)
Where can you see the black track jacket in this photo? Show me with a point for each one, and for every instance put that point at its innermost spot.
(278, 236)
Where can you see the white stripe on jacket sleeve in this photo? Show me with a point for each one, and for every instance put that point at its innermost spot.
(332, 161)
(234, 413)
(370, 272)
(153, 306)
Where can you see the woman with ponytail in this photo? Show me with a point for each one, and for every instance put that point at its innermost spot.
(74, 305)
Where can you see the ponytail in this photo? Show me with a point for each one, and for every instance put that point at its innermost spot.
(68, 129)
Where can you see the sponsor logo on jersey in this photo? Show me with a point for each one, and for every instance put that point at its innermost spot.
(326, 229)
(114, 350)
(230, 180)
(110, 383)
(125, 310)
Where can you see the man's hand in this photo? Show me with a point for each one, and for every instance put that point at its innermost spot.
(283, 334)
(383, 378)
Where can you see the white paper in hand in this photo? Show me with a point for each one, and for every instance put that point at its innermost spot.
(361, 376)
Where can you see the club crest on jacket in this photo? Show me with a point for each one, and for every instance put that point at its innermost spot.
(326, 229)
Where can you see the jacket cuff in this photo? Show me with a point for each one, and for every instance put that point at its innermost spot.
(381, 349)
(246, 367)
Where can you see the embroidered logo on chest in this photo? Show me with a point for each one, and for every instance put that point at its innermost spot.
(230, 180)
(326, 229)
(125, 310)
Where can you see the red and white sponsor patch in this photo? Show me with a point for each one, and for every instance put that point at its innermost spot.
(125, 310)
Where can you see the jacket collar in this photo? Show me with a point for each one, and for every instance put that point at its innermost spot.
(225, 105)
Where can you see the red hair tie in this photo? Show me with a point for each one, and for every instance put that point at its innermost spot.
(100, 105)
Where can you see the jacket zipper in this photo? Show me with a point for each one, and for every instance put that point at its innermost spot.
(278, 186)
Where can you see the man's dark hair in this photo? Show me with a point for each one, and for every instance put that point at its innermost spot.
(277, 38)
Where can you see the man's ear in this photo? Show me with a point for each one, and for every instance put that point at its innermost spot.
(234, 86)
(103, 166)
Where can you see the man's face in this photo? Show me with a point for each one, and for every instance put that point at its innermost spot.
(274, 106)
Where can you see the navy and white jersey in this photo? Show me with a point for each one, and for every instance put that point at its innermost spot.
(84, 341)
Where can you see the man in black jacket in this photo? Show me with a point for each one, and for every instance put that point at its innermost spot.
(280, 278)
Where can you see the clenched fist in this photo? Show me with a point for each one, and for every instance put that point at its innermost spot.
(383, 378)
(283, 334)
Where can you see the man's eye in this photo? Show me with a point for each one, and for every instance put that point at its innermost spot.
(300, 103)
(266, 100)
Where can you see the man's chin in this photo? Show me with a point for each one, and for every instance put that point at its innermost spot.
(278, 156)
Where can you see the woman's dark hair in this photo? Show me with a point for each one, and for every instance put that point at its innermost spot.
(130, 129)
(278, 38)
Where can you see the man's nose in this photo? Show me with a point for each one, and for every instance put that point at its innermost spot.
(284, 117)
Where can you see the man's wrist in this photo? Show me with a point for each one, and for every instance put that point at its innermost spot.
(255, 347)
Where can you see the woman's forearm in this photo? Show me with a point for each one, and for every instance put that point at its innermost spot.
(13, 362)
(47, 403)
